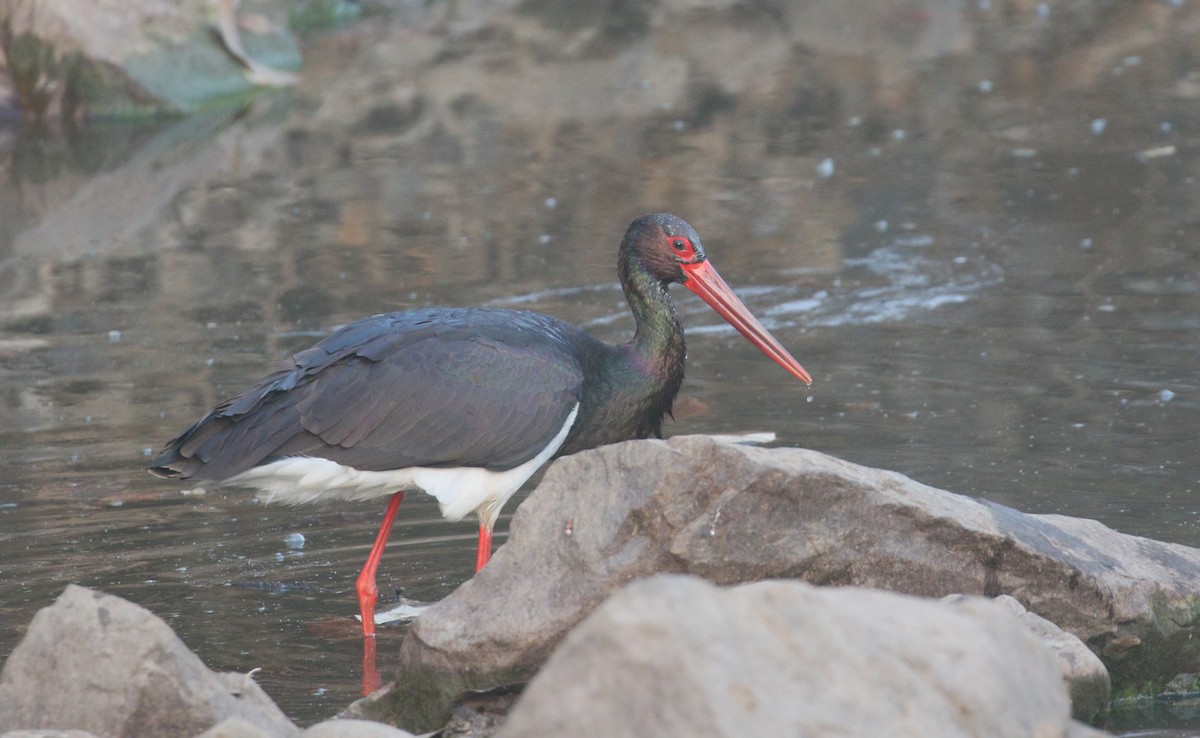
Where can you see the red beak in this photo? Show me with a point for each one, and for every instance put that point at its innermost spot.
(704, 281)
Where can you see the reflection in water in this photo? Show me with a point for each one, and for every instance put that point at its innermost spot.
(993, 296)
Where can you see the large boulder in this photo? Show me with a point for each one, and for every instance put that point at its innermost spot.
(675, 655)
(97, 663)
(736, 514)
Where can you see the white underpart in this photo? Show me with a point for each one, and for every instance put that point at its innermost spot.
(298, 480)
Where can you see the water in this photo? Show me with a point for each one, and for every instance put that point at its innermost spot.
(992, 295)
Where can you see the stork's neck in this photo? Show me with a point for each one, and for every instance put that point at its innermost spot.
(658, 343)
(631, 387)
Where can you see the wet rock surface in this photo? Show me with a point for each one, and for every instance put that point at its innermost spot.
(733, 514)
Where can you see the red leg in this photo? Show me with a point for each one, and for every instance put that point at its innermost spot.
(368, 593)
(485, 547)
(371, 680)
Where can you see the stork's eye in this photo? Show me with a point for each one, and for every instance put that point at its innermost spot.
(680, 244)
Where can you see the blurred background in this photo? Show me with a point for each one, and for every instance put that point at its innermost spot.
(975, 222)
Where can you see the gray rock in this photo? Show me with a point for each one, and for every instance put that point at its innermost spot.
(95, 662)
(47, 734)
(110, 57)
(235, 728)
(735, 514)
(475, 714)
(1086, 677)
(677, 656)
(1182, 685)
(354, 729)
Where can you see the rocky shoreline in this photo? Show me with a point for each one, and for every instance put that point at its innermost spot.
(653, 588)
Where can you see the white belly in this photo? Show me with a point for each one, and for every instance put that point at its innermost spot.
(300, 480)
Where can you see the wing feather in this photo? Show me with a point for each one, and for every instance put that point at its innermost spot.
(486, 388)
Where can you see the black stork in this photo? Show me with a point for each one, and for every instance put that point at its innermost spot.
(463, 403)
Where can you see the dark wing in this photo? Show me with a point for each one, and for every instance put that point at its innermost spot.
(487, 388)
